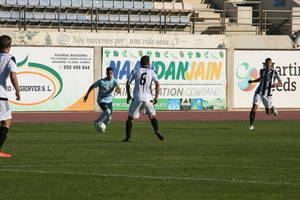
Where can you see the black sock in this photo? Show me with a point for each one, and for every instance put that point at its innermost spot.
(128, 128)
(154, 123)
(252, 117)
(3, 135)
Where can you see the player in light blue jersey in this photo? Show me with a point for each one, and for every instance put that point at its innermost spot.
(106, 88)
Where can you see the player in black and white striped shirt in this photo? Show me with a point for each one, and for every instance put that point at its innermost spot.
(267, 78)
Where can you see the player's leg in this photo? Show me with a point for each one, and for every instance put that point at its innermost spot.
(134, 112)
(252, 116)
(273, 109)
(6, 120)
(256, 100)
(128, 129)
(4, 128)
(150, 111)
(268, 104)
(108, 118)
(106, 111)
(154, 123)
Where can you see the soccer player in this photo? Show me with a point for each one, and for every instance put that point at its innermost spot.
(142, 97)
(263, 93)
(106, 87)
(8, 67)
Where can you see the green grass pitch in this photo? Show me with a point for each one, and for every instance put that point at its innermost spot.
(198, 160)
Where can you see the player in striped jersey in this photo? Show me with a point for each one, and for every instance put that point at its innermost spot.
(142, 96)
(263, 93)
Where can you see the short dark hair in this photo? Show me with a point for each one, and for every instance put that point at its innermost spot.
(109, 69)
(145, 60)
(267, 60)
(5, 42)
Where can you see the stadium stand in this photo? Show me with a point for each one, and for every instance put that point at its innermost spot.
(111, 15)
(184, 16)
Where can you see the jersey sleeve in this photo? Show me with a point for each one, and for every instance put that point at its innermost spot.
(12, 66)
(276, 76)
(97, 84)
(260, 73)
(154, 76)
(116, 84)
(131, 76)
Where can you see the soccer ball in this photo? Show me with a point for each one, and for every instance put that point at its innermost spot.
(101, 127)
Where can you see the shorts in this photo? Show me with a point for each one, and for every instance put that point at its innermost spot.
(137, 106)
(5, 112)
(267, 100)
(105, 106)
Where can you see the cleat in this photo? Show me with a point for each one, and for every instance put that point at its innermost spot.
(274, 111)
(159, 135)
(126, 140)
(251, 127)
(5, 155)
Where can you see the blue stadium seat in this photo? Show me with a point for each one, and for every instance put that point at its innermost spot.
(5, 15)
(124, 18)
(154, 18)
(76, 3)
(71, 16)
(45, 2)
(148, 5)
(108, 4)
(184, 19)
(103, 18)
(175, 19)
(128, 4)
(33, 2)
(12, 2)
(138, 4)
(163, 19)
(134, 18)
(21, 2)
(82, 17)
(50, 16)
(118, 4)
(38, 15)
(98, 4)
(16, 15)
(87, 3)
(28, 15)
(66, 3)
(54, 3)
(114, 18)
(62, 16)
(144, 18)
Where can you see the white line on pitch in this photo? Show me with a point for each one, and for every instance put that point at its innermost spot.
(154, 177)
(147, 165)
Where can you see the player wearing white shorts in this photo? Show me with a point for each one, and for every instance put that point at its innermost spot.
(142, 96)
(263, 93)
(8, 67)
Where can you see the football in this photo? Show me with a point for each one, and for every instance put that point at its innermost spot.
(101, 127)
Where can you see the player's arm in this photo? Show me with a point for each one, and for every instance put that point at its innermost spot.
(118, 89)
(129, 80)
(279, 81)
(128, 92)
(14, 81)
(254, 81)
(157, 87)
(88, 92)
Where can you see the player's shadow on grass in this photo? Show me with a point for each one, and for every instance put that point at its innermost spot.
(109, 141)
(197, 128)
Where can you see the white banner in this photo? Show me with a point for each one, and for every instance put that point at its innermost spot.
(247, 64)
(52, 78)
(198, 74)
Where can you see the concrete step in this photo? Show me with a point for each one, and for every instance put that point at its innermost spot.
(208, 15)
